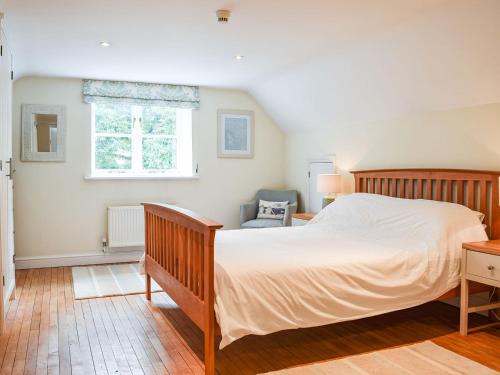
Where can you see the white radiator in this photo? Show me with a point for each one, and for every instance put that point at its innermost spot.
(125, 226)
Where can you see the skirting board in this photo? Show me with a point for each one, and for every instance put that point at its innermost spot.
(77, 259)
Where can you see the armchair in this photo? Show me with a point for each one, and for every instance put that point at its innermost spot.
(248, 211)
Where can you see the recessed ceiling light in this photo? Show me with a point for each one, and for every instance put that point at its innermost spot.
(239, 57)
(105, 44)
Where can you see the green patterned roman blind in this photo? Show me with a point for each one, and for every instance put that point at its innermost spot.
(176, 96)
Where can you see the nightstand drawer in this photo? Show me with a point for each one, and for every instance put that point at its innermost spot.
(483, 265)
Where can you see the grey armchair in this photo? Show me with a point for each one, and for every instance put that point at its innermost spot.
(248, 211)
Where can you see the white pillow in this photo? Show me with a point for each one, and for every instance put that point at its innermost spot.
(480, 216)
(271, 210)
(426, 225)
(375, 209)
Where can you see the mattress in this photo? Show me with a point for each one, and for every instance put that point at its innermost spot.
(363, 255)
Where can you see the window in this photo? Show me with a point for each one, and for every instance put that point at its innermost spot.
(141, 141)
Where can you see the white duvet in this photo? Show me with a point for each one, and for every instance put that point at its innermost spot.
(363, 255)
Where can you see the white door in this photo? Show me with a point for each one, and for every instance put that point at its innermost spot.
(6, 203)
(315, 198)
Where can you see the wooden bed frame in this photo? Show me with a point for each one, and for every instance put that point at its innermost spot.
(180, 244)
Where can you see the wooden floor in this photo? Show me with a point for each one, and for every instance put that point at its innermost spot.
(48, 332)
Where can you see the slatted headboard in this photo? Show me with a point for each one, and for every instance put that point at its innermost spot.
(478, 190)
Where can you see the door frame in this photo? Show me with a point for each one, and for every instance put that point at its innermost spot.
(329, 158)
(6, 184)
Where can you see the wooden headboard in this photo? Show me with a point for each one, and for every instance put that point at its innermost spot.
(478, 190)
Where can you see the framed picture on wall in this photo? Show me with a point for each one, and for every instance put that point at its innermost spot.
(235, 133)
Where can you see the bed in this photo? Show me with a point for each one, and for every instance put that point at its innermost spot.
(331, 270)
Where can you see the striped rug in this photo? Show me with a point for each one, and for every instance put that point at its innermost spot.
(425, 358)
(109, 280)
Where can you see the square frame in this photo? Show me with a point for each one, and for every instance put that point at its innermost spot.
(245, 149)
(28, 149)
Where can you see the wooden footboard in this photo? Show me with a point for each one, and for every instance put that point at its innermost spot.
(180, 258)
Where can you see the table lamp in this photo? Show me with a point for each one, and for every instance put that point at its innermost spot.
(329, 184)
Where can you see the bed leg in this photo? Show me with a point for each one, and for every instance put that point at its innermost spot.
(210, 353)
(209, 302)
(148, 287)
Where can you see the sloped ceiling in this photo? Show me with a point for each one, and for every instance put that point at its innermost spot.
(311, 64)
(446, 59)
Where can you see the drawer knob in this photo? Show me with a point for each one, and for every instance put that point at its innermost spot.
(491, 268)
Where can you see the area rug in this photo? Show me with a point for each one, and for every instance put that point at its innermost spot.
(109, 280)
(419, 359)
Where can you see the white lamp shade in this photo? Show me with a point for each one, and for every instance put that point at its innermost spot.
(329, 183)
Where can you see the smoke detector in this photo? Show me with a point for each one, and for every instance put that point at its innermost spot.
(223, 15)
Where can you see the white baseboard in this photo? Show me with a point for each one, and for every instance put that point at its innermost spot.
(78, 259)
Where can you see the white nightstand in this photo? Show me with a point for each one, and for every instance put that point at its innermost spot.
(301, 219)
(480, 263)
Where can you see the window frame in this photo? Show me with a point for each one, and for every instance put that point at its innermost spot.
(184, 150)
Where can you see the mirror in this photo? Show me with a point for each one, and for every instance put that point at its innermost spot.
(46, 132)
(43, 132)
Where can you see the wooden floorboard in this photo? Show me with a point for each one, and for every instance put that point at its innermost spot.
(49, 332)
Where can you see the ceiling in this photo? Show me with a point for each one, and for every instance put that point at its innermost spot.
(309, 63)
(181, 41)
(446, 59)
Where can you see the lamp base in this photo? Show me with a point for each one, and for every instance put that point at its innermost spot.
(327, 201)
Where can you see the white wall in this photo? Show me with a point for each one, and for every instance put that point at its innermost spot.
(461, 138)
(57, 212)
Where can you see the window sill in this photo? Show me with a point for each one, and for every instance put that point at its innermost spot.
(143, 178)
